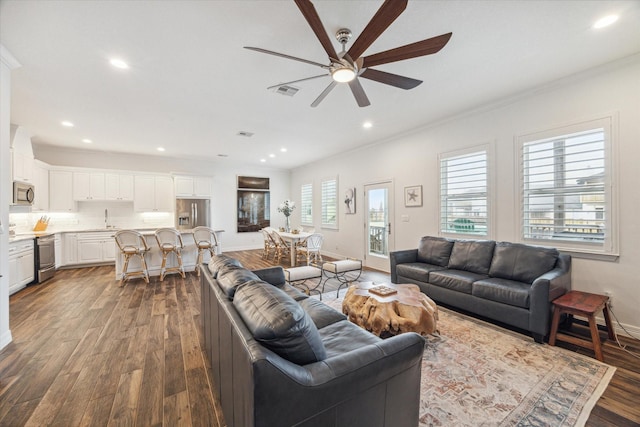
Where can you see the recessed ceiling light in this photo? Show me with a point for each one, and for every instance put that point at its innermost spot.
(283, 150)
(119, 63)
(367, 125)
(67, 124)
(263, 160)
(87, 141)
(272, 155)
(605, 21)
(160, 148)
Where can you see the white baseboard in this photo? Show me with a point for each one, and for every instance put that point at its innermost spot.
(628, 331)
(5, 339)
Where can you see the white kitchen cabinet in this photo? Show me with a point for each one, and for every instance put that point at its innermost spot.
(70, 246)
(58, 250)
(193, 186)
(118, 187)
(95, 247)
(21, 265)
(41, 183)
(153, 194)
(22, 167)
(60, 191)
(88, 186)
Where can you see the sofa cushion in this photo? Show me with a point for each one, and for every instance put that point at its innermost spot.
(456, 280)
(294, 293)
(472, 255)
(321, 314)
(502, 290)
(416, 270)
(279, 323)
(434, 250)
(219, 261)
(522, 263)
(342, 337)
(229, 279)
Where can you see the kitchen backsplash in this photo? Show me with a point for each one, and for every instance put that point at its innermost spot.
(91, 215)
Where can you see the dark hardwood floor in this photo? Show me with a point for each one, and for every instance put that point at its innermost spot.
(86, 352)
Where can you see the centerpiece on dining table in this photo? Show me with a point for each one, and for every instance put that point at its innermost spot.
(286, 208)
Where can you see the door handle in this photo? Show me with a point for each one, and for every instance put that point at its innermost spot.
(389, 228)
(196, 216)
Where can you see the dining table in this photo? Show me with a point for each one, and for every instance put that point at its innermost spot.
(293, 239)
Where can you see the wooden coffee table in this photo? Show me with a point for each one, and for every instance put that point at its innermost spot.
(408, 310)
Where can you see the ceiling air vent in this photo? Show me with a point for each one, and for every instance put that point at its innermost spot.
(245, 134)
(287, 90)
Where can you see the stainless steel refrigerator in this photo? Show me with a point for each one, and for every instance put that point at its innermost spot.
(192, 213)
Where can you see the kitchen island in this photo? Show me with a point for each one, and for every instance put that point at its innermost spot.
(153, 257)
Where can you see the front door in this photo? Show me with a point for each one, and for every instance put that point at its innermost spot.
(379, 220)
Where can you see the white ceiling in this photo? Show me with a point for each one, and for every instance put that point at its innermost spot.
(192, 87)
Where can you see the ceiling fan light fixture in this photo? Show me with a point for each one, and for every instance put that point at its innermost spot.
(343, 74)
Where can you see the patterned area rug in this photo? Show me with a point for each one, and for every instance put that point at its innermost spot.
(475, 373)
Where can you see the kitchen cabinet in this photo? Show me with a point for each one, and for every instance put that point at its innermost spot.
(96, 247)
(70, 246)
(21, 265)
(193, 186)
(118, 186)
(88, 186)
(153, 194)
(58, 250)
(41, 183)
(60, 191)
(22, 167)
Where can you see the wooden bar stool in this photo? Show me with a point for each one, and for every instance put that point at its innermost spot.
(170, 241)
(577, 303)
(132, 244)
(206, 240)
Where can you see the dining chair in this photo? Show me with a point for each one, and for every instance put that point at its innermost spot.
(310, 248)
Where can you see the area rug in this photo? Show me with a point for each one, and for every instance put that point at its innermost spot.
(475, 373)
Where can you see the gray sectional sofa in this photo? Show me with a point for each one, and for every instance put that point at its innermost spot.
(280, 358)
(508, 282)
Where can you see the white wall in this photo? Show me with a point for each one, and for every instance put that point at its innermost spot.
(412, 159)
(223, 201)
(7, 63)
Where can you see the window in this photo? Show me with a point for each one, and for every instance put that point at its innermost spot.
(306, 204)
(464, 207)
(329, 201)
(566, 187)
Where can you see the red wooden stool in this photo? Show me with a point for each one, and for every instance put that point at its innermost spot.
(577, 303)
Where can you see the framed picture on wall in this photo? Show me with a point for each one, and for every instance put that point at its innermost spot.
(350, 200)
(413, 196)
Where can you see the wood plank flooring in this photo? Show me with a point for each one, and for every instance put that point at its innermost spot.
(86, 352)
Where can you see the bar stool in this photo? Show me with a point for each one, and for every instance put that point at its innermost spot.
(206, 240)
(170, 241)
(131, 244)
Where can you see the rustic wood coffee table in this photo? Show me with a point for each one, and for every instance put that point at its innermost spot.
(406, 310)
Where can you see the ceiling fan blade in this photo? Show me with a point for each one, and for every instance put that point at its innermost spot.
(387, 13)
(390, 79)
(297, 81)
(324, 93)
(283, 55)
(312, 17)
(413, 50)
(358, 93)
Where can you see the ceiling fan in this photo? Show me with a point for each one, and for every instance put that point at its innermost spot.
(348, 66)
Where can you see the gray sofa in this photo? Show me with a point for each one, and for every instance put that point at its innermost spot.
(508, 282)
(280, 358)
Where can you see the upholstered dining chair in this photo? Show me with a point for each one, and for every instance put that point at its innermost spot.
(170, 241)
(206, 240)
(310, 248)
(132, 244)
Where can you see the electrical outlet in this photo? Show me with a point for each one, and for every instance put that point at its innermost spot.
(608, 293)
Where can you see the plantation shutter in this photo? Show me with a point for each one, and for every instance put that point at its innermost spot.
(329, 201)
(306, 204)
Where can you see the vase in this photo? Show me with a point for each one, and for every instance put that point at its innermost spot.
(287, 225)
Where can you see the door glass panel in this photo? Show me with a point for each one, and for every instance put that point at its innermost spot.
(378, 218)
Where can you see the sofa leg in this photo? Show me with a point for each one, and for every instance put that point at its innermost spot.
(539, 338)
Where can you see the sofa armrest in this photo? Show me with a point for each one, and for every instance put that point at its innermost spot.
(295, 393)
(544, 289)
(401, 257)
(273, 275)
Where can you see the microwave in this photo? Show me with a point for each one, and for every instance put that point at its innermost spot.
(23, 193)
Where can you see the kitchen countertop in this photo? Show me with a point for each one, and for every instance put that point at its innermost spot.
(31, 235)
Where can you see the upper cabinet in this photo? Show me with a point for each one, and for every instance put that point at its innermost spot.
(153, 194)
(118, 187)
(21, 154)
(88, 186)
(41, 183)
(188, 186)
(60, 191)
